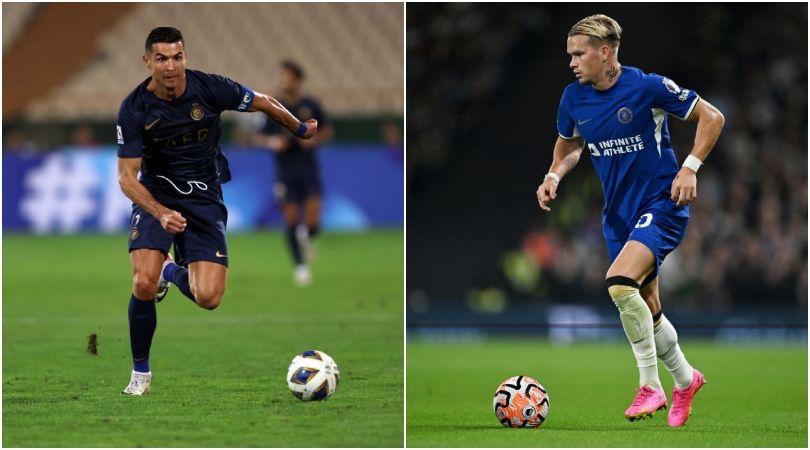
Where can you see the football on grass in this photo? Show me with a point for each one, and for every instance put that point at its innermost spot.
(521, 402)
(313, 375)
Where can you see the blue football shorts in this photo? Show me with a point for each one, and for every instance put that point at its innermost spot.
(204, 237)
(657, 230)
(297, 187)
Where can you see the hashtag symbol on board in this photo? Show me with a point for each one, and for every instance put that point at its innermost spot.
(59, 194)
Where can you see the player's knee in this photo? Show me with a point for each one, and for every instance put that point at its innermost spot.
(144, 287)
(619, 287)
(208, 299)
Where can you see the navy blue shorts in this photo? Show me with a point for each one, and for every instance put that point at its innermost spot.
(297, 188)
(659, 231)
(204, 237)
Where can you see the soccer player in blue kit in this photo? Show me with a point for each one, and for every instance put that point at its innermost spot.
(168, 129)
(619, 115)
(298, 188)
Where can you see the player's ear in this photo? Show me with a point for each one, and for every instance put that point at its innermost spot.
(146, 61)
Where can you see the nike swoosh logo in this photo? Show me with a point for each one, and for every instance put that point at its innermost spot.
(151, 125)
(582, 122)
(220, 255)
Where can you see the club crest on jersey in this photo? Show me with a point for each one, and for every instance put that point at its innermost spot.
(197, 112)
(625, 115)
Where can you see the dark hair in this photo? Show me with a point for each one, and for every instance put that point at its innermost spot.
(293, 67)
(167, 35)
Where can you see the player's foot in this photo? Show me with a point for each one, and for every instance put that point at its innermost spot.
(138, 383)
(305, 243)
(646, 403)
(302, 275)
(682, 400)
(163, 284)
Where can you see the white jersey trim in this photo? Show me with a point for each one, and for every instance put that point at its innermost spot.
(658, 117)
(576, 135)
(691, 108)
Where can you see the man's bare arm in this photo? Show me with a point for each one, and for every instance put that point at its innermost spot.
(278, 113)
(566, 157)
(710, 122)
(128, 169)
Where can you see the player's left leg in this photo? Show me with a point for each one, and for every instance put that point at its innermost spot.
(207, 281)
(687, 379)
(632, 265)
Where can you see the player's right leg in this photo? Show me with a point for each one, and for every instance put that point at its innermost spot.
(687, 379)
(148, 245)
(146, 264)
(633, 263)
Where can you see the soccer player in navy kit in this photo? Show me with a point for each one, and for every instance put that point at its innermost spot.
(168, 129)
(618, 114)
(298, 186)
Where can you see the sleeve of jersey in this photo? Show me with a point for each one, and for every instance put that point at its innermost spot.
(129, 130)
(566, 127)
(231, 95)
(670, 97)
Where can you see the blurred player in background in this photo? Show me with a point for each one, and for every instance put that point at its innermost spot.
(620, 114)
(298, 188)
(168, 129)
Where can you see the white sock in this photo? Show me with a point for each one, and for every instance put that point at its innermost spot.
(666, 344)
(638, 327)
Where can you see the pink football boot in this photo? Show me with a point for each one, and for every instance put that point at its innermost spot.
(682, 400)
(646, 403)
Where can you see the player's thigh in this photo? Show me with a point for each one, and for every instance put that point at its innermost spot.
(635, 261)
(649, 293)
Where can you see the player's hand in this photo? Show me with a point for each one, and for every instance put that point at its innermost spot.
(546, 193)
(312, 128)
(173, 222)
(684, 187)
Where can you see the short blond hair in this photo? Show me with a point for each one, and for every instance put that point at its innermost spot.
(600, 28)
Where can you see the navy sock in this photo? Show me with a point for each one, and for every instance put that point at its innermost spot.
(142, 324)
(179, 276)
(295, 249)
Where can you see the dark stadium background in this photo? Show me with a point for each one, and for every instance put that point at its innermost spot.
(484, 82)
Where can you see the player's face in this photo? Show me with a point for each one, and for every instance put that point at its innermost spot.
(586, 60)
(287, 80)
(167, 63)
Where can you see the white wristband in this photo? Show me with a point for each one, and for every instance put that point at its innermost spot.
(554, 177)
(693, 163)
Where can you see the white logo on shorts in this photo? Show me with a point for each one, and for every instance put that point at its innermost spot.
(645, 220)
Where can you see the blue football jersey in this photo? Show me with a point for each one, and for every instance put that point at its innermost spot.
(625, 131)
(179, 139)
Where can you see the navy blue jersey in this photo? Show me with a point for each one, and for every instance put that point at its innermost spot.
(179, 139)
(296, 158)
(625, 131)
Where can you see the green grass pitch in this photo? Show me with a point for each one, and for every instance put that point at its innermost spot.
(755, 396)
(219, 376)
